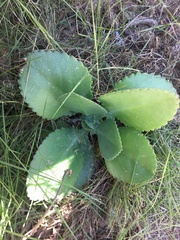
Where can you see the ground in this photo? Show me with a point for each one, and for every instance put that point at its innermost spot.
(112, 39)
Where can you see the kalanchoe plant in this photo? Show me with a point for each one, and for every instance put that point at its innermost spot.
(54, 85)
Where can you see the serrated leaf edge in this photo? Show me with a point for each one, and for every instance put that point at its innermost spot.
(150, 75)
(29, 176)
(145, 89)
(120, 142)
(70, 113)
(149, 145)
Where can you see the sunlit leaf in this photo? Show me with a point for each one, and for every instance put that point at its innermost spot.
(143, 109)
(144, 80)
(61, 150)
(47, 76)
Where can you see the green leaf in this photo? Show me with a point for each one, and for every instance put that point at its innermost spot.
(79, 104)
(90, 123)
(88, 165)
(49, 75)
(144, 80)
(137, 162)
(109, 139)
(143, 109)
(61, 150)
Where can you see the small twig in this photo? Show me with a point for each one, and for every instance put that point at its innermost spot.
(142, 21)
(139, 21)
(133, 23)
(35, 228)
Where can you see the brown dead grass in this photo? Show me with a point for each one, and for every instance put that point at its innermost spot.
(144, 46)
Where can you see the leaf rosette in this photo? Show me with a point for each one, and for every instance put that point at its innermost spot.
(54, 84)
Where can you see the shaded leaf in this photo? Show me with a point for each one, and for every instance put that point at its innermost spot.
(90, 123)
(109, 139)
(80, 104)
(137, 162)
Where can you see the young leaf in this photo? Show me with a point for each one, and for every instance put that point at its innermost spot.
(109, 139)
(47, 76)
(61, 150)
(137, 162)
(90, 123)
(144, 80)
(143, 109)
